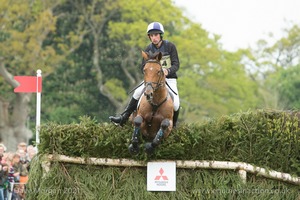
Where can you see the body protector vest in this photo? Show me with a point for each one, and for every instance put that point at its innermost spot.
(165, 60)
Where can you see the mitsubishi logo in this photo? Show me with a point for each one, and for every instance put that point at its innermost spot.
(161, 176)
(161, 171)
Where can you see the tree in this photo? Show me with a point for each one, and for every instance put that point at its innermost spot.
(274, 65)
(286, 83)
(73, 90)
(284, 80)
(25, 25)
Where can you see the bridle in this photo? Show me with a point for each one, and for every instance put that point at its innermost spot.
(149, 86)
(159, 83)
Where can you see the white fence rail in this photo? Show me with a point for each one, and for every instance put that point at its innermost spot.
(241, 167)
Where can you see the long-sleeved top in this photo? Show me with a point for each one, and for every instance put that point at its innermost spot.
(167, 49)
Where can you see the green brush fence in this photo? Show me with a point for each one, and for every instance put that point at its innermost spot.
(266, 139)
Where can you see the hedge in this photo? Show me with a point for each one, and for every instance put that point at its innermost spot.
(264, 138)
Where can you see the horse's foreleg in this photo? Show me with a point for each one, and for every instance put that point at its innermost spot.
(134, 146)
(159, 136)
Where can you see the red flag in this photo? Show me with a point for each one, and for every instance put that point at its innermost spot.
(28, 84)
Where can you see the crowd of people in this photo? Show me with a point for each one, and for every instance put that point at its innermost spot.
(14, 169)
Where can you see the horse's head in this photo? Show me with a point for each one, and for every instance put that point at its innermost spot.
(154, 77)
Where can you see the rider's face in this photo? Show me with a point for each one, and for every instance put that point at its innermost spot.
(155, 38)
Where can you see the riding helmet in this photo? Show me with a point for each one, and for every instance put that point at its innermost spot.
(155, 27)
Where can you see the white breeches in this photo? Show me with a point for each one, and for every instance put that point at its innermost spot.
(172, 82)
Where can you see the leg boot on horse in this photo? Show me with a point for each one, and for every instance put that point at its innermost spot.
(175, 117)
(150, 147)
(122, 119)
(134, 146)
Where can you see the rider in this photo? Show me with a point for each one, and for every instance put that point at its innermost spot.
(170, 64)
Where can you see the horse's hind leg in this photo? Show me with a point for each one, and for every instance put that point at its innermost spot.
(159, 136)
(134, 146)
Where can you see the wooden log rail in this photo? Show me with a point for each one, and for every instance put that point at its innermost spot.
(241, 167)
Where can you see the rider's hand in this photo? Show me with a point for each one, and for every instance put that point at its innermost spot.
(166, 72)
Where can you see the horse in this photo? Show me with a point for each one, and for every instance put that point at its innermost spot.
(154, 115)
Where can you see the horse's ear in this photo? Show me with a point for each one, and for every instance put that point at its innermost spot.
(145, 55)
(159, 56)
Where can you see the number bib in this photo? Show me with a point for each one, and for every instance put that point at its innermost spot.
(165, 62)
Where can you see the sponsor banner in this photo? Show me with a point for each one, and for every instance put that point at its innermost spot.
(161, 176)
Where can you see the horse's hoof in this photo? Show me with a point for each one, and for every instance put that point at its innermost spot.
(149, 148)
(133, 150)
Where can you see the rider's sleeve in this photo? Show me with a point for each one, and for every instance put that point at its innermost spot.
(174, 61)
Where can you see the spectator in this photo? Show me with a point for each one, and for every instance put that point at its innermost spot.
(22, 146)
(2, 151)
(30, 148)
(20, 175)
(3, 181)
(18, 192)
(14, 169)
(23, 157)
(20, 171)
(10, 177)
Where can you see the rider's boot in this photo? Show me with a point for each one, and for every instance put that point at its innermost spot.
(175, 117)
(122, 119)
